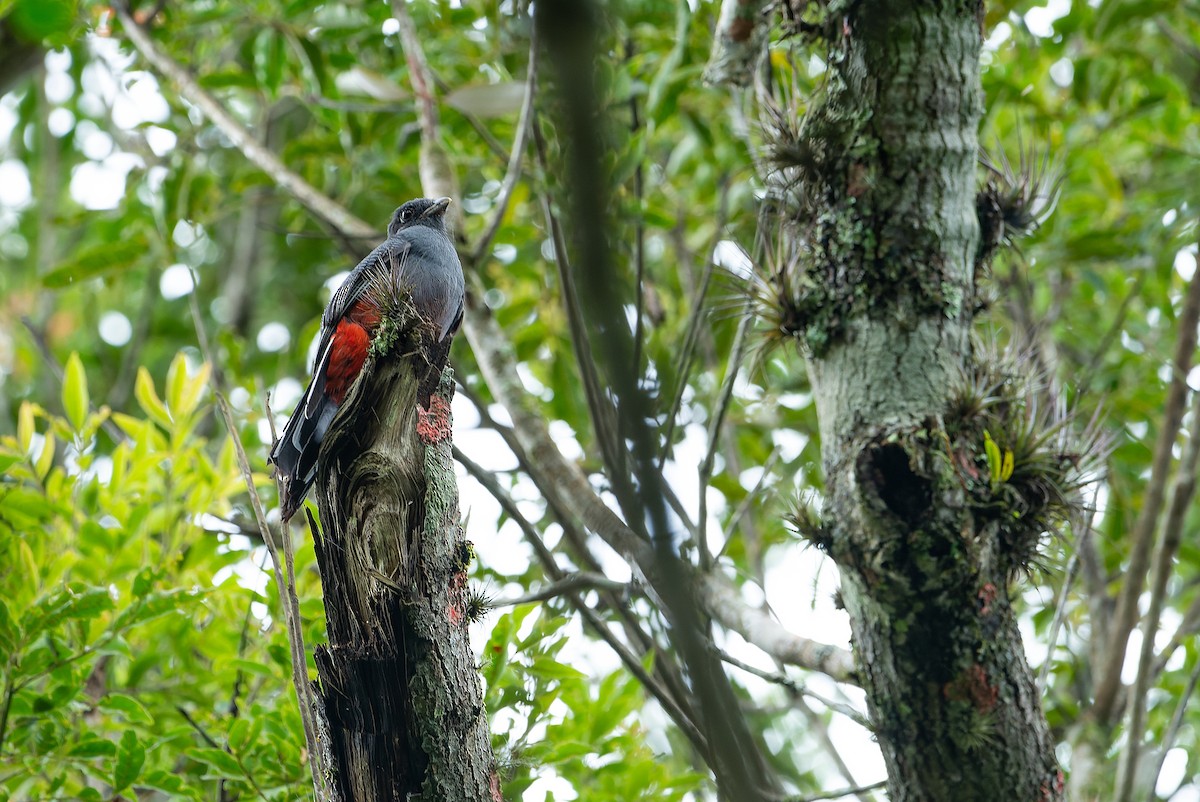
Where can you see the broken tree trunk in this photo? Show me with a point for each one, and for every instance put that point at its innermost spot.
(401, 694)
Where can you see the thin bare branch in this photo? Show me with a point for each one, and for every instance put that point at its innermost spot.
(568, 584)
(1172, 732)
(722, 602)
(744, 507)
(1125, 616)
(856, 791)
(1060, 608)
(1164, 567)
(437, 174)
(737, 355)
(682, 719)
(286, 585)
(513, 174)
(600, 402)
(700, 311)
(800, 689)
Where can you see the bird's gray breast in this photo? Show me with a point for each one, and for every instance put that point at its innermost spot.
(433, 274)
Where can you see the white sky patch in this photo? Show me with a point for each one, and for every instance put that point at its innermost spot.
(1133, 652)
(185, 234)
(176, 282)
(1185, 262)
(564, 438)
(505, 253)
(115, 328)
(284, 395)
(59, 87)
(1190, 793)
(8, 117)
(532, 384)
(1062, 72)
(99, 186)
(15, 189)
(680, 470)
(336, 280)
(239, 399)
(60, 122)
(160, 140)
(391, 26)
(800, 584)
(273, 337)
(1040, 19)
(99, 83)
(998, 36)
(729, 255)
(1174, 769)
(92, 142)
(141, 102)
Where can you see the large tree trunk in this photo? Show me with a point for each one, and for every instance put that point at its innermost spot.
(398, 679)
(877, 193)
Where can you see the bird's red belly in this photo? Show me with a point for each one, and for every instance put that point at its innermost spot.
(347, 353)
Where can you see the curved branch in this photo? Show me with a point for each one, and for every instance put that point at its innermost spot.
(309, 196)
(721, 601)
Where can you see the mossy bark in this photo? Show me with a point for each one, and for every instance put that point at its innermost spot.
(398, 680)
(883, 227)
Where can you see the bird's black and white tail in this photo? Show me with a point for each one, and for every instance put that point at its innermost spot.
(295, 453)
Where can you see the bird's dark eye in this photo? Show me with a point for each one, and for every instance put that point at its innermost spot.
(406, 215)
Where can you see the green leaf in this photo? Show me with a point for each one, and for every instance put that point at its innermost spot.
(93, 746)
(243, 732)
(75, 392)
(154, 605)
(164, 781)
(25, 426)
(45, 460)
(222, 763)
(40, 20)
(131, 708)
(98, 260)
(131, 756)
(71, 604)
(143, 582)
(148, 400)
(552, 669)
(10, 630)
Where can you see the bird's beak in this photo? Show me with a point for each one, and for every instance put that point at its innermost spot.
(439, 207)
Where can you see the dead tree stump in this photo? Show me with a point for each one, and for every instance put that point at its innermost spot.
(398, 680)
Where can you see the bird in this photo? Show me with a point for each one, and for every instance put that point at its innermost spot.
(417, 256)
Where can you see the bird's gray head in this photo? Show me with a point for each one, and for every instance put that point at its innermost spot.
(420, 212)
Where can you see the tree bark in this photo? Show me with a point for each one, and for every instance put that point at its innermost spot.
(877, 190)
(398, 678)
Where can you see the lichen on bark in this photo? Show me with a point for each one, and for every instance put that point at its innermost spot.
(875, 198)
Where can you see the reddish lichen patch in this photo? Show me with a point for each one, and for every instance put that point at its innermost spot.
(972, 686)
(987, 595)
(434, 426)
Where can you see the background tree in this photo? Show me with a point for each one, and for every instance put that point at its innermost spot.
(140, 643)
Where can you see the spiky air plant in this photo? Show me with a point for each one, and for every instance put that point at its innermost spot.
(477, 604)
(1022, 461)
(805, 516)
(1014, 203)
